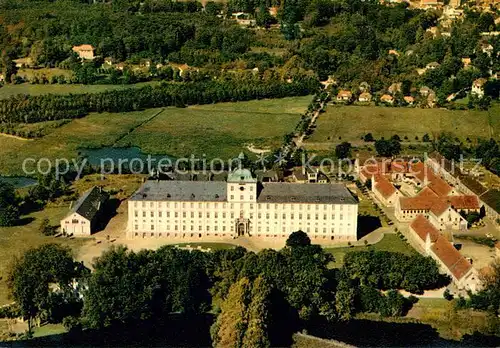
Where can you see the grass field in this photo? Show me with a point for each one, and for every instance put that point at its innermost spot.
(93, 131)
(390, 242)
(38, 89)
(218, 130)
(352, 122)
(14, 241)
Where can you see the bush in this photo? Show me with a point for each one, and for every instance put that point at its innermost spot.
(46, 229)
(71, 324)
(447, 295)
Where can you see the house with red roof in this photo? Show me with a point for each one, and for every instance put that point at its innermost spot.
(442, 211)
(84, 51)
(449, 259)
(384, 190)
(444, 217)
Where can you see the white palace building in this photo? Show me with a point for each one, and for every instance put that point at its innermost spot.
(242, 206)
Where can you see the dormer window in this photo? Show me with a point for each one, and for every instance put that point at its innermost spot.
(168, 195)
(216, 195)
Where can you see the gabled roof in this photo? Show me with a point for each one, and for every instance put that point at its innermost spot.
(83, 48)
(427, 193)
(492, 199)
(451, 258)
(89, 204)
(384, 186)
(423, 227)
(439, 207)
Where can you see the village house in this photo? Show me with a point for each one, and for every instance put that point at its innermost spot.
(387, 99)
(424, 91)
(432, 65)
(466, 62)
(409, 99)
(84, 213)
(84, 51)
(394, 53)
(489, 199)
(384, 190)
(430, 4)
(487, 48)
(308, 174)
(395, 88)
(449, 259)
(243, 19)
(365, 97)
(478, 87)
(344, 96)
(25, 62)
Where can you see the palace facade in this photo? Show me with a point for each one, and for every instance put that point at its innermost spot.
(242, 206)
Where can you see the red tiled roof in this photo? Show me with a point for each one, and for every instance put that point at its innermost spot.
(423, 227)
(83, 48)
(426, 201)
(451, 258)
(438, 185)
(415, 203)
(439, 207)
(427, 193)
(464, 202)
(384, 186)
(497, 245)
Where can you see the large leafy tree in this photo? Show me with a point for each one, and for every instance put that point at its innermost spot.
(9, 210)
(30, 277)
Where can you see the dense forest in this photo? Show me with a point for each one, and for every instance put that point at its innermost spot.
(349, 39)
(30, 109)
(259, 299)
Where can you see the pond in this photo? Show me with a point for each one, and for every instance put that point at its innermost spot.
(115, 155)
(19, 181)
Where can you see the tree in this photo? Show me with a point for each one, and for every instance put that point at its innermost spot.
(30, 276)
(259, 315)
(9, 209)
(231, 324)
(368, 137)
(45, 228)
(343, 150)
(387, 148)
(298, 239)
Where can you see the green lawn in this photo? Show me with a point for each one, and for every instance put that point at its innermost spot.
(93, 131)
(14, 241)
(390, 242)
(218, 130)
(352, 122)
(205, 246)
(38, 89)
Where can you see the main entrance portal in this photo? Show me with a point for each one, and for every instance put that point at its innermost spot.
(242, 227)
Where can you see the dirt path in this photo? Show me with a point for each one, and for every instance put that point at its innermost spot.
(136, 127)
(15, 137)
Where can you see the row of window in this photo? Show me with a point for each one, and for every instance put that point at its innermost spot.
(217, 205)
(216, 215)
(191, 235)
(223, 228)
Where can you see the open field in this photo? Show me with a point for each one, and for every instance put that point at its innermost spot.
(352, 122)
(218, 130)
(390, 242)
(93, 131)
(38, 89)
